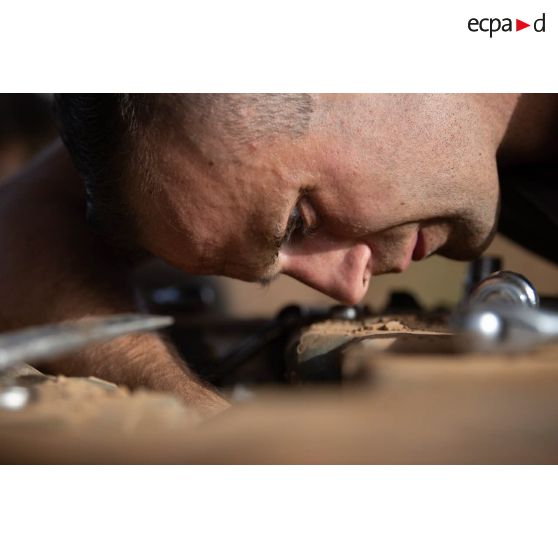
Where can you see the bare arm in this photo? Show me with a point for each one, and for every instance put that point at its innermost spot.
(52, 269)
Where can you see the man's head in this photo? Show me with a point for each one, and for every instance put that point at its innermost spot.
(329, 189)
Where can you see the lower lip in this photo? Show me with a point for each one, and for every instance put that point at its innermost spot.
(419, 253)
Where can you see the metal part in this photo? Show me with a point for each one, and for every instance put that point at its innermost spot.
(504, 287)
(402, 302)
(479, 270)
(288, 321)
(45, 342)
(14, 398)
(501, 313)
(341, 312)
(505, 327)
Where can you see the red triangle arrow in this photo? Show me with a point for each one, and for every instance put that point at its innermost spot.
(519, 25)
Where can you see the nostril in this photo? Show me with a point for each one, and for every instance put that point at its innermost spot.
(366, 277)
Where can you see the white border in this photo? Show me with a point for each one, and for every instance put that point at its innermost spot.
(279, 511)
(287, 45)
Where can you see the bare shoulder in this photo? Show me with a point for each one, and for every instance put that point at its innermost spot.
(50, 178)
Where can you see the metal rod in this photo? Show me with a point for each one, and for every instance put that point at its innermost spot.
(53, 340)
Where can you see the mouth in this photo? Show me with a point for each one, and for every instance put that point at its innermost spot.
(412, 247)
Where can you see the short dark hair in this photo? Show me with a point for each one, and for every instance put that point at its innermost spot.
(97, 130)
(110, 139)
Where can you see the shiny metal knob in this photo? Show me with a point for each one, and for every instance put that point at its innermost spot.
(504, 287)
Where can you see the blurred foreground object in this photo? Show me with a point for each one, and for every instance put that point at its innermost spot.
(504, 287)
(395, 407)
(403, 398)
(45, 342)
(26, 126)
(501, 313)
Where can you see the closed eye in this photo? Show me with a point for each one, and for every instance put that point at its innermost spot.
(303, 222)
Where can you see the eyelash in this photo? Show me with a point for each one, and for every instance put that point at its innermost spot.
(297, 227)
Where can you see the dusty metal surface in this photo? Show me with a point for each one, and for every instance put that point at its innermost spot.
(316, 355)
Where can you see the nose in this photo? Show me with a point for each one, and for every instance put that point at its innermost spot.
(339, 270)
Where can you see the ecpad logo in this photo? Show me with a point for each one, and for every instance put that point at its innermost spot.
(493, 25)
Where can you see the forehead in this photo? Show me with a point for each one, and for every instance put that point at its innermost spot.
(231, 129)
(228, 179)
(229, 122)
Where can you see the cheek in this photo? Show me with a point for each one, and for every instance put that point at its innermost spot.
(373, 186)
(185, 231)
(485, 205)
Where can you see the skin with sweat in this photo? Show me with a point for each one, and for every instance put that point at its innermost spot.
(378, 180)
